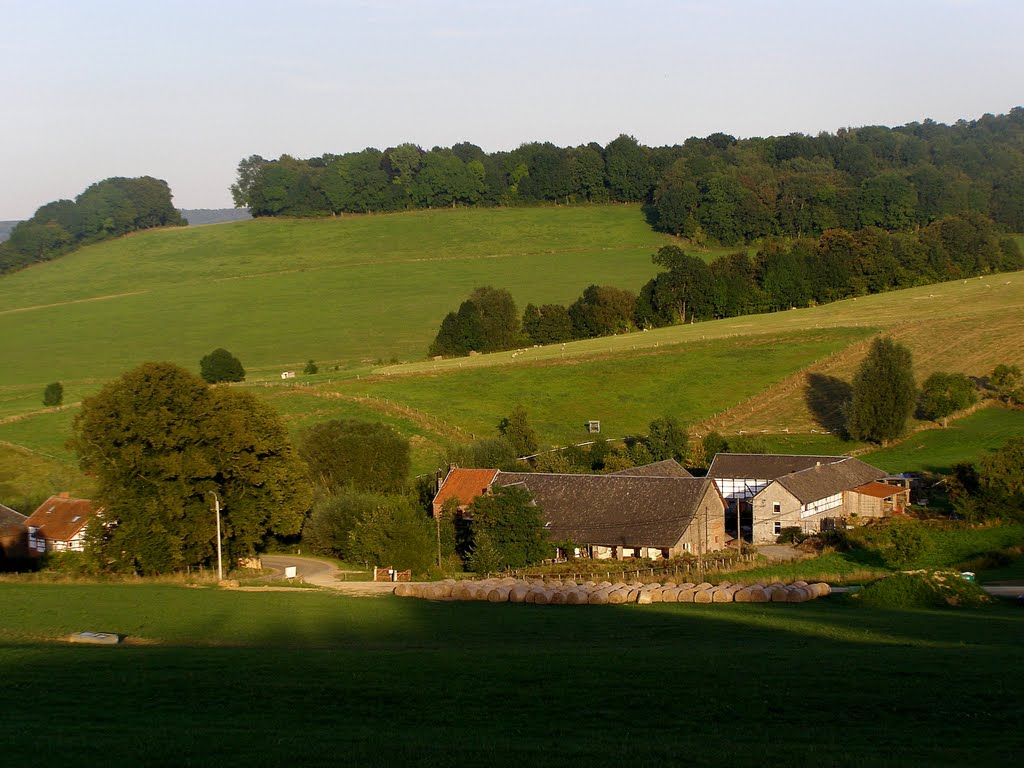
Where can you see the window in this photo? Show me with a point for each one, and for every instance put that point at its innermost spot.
(777, 527)
(776, 508)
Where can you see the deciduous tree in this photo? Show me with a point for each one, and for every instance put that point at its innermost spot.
(884, 393)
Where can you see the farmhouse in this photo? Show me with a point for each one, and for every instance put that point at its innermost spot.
(817, 498)
(13, 533)
(653, 513)
(59, 525)
(744, 475)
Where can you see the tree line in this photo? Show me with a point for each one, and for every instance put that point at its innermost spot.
(782, 274)
(717, 189)
(106, 209)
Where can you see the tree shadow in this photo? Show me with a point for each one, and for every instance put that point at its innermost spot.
(825, 397)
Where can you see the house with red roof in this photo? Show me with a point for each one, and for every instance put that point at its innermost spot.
(58, 525)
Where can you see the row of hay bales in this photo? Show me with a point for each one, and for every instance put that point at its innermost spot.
(509, 590)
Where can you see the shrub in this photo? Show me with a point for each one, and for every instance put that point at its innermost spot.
(221, 365)
(311, 368)
(907, 543)
(923, 589)
(791, 535)
(53, 395)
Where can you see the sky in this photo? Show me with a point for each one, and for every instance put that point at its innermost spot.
(184, 90)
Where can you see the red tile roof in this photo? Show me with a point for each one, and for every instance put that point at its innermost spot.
(59, 518)
(879, 490)
(464, 485)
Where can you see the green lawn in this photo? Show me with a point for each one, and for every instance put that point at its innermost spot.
(938, 450)
(301, 678)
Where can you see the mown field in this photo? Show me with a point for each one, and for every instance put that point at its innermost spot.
(300, 678)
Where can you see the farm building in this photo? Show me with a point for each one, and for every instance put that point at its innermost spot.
(609, 516)
(13, 533)
(59, 525)
(815, 498)
(666, 468)
(653, 513)
(876, 499)
(744, 475)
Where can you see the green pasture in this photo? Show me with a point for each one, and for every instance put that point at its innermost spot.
(307, 678)
(625, 391)
(966, 439)
(277, 293)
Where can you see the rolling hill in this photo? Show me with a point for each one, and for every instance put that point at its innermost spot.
(353, 292)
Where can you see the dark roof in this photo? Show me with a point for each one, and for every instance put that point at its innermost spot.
(666, 468)
(762, 466)
(614, 510)
(9, 518)
(825, 480)
(464, 485)
(59, 518)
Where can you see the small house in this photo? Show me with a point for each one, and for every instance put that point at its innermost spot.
(287, 374)
(58, 525)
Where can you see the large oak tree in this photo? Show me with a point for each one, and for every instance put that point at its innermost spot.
(160, 443)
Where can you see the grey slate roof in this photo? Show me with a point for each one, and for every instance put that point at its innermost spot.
(614, 510)
(666, 468)
(9, 518)
(819, 482)
(763, 466)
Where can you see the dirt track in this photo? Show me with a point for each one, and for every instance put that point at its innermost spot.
(323, 574)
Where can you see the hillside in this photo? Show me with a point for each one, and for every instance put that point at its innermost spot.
(277, 293)
(350, 291)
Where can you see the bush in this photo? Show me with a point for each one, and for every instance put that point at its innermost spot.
(923, 589)
(53, 395)
(897, 543)
(311, 368)
(791, 535)
(221, 365)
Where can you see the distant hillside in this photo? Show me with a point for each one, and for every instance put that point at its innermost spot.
(196, 217)
(5, 229)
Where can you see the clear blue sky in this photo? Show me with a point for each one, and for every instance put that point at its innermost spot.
(184, 90)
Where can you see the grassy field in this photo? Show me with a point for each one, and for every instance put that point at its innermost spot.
(305, 678)
(277, 293)
(967, 439)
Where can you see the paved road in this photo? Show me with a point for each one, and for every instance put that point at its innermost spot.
(324, 574)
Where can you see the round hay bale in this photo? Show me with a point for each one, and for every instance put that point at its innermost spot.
(557, 597)
(670, 584)
(645, 596)
(405, 589)
(577, 597)
(460, 591)
(443, 591)
(703, 585)
(780, 594)
(798, 595)
(498, 595)
(777, 585)
(568, 583)
(604, 584)
(542, 597)
(670, 595)
(685, 595)
(724, 595)
(617, 596)
(518, 593)
(798, 584)
(687, 585)
(823, 589)
(742, 596)
(703, 596)
(589, 584)
(600, 597)
(724, 584)
(759, 595)
(632, 595)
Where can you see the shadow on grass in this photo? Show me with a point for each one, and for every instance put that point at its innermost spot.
(328, 680)
(825, 397)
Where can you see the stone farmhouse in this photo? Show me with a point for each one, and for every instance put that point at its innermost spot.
(657, 511)
(58, 525)
(813, 493)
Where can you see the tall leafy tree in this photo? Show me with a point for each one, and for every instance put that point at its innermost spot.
(667, 438)
(159, 443)
(361, 455)
(516, 429)
(943, 394)
(883, 393)
(602, 310)
(220, 365)
(509, 521)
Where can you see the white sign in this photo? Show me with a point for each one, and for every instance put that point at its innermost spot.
(289, 571)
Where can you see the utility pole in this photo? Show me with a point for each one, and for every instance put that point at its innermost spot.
(220, 561)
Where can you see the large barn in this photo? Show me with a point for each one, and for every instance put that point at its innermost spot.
(657, 511)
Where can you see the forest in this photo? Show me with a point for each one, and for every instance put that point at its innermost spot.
(713, 190)
(106, 209)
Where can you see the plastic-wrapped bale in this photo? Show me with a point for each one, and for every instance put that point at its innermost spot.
(518, 593)
(499, 595)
